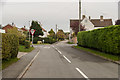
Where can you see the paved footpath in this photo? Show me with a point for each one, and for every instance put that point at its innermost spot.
(15, 69)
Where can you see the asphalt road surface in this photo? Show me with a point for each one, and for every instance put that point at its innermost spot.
(62, 61)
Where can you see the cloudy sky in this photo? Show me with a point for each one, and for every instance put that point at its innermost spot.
(52, 12)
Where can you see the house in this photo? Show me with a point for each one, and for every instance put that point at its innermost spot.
(89, 24)
(45, 33)
(7, 27)
(22, 30)
(1, 30)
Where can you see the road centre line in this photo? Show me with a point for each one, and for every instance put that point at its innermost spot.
(67, 59)
(59, 51)
(82, 73)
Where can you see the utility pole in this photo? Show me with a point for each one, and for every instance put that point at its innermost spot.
(79, 13)
(56, 31)
(29, 31)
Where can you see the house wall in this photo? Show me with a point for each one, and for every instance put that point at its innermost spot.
(87, 23)
(2, 31)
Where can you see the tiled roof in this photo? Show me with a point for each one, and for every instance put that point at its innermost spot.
(7, 27)
(74, 23)
(99, 23)
(24, 29)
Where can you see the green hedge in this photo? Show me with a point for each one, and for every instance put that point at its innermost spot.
(10, 43)
(105, 39)
(27, 44)
(49, 40)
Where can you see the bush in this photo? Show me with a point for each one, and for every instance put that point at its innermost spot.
(10, 43)
(49, 40)
(27, 44)
(35, 39)
(105, 39)
(22, 40)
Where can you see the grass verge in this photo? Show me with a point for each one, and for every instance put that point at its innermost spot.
(105, 55)
(23, 49)
(70, 42)
(6, 63)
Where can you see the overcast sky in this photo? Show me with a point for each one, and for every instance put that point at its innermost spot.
(50, 13)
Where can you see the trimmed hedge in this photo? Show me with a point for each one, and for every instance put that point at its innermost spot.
(10, 43)
(49, 40)
(105, 39)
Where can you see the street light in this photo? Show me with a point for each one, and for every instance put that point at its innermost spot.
(79, 13)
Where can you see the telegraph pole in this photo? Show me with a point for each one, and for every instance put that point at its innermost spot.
(29, 31)
(56, 31)
(79, 13)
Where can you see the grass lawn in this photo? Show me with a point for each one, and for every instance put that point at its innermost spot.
(6, 63)
(108, 56)
(70, 42)
(42, 44)
(23, 49)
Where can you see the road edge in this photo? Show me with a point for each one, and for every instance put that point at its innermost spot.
(27, 67)
(116, 62)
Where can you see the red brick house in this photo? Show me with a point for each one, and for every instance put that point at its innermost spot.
(7, 27)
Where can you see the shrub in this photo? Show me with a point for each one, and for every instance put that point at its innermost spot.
(22, 40)
(10, 43)
(27, 44)
(49, 40)
(35, 39)
(105, 39)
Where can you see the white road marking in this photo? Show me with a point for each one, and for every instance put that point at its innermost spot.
(82, 73)
(47, 47)
(67, 59)
(59, 51)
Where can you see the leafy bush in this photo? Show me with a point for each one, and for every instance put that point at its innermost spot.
(105, 39)
(49, 40)
(27, 44)
(10, 43)
(22, 40)
(35, 39)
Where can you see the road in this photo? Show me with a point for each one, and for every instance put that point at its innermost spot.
(62, 61)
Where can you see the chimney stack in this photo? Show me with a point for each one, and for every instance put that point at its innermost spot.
(83, 16)
(89, 17)
(101, 18)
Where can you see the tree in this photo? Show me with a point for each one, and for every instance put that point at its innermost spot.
(51, 33)
(117, 22)
(37, 28)
(60, 35)
(20, 35)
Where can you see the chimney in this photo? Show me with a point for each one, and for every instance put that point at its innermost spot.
(83, 16)
(101, 18)
(89, 17)
(12, 23)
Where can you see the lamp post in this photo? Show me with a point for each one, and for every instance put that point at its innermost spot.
(79, 13)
